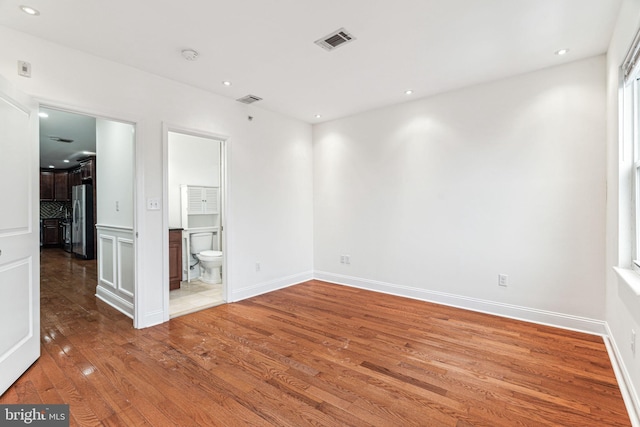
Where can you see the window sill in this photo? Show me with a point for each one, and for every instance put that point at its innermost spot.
(630, 278)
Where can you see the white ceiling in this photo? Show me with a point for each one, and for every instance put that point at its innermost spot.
(265, 47)
(57, 125)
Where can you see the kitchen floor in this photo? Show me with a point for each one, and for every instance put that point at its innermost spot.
(194, 296)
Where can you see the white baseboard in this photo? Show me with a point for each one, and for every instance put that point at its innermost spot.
(120, 304)
(151, 319)
(263, 288)
(625, 383)
(560, 320)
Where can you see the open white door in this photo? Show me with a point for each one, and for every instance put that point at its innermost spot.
(19, 235)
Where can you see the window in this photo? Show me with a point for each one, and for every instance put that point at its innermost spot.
(630, 132)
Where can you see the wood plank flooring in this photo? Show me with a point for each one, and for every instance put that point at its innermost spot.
(312, 354)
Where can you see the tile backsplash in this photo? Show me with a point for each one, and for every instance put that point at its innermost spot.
(54, 209)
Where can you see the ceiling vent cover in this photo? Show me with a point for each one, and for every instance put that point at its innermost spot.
(249, 99)
(58, 139)
(337, 38)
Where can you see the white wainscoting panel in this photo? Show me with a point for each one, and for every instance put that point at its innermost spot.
(106, 259)
(116, 267)
(126, 266)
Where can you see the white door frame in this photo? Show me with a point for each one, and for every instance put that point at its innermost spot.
(224, 219)
(137, 186)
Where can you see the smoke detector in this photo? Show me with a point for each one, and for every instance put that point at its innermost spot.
(335, 39)
(190, 54)
(249, 99)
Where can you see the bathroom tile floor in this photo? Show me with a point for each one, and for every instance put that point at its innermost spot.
(194, 296)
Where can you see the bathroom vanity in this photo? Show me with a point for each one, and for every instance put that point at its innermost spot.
(175, 258)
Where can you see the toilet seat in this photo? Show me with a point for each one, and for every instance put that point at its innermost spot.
(210, 253)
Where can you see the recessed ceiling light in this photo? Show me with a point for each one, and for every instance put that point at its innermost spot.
(408, 92)
(190, 54)
(226, 83)
(29, 10)
(561, 52)
(66, 161)
(43, 114)
(318, 116)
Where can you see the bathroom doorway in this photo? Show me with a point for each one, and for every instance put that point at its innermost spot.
(195, 194)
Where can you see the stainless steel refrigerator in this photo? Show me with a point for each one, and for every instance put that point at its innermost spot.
(82, 227)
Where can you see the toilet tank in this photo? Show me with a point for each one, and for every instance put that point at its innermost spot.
(201, 242)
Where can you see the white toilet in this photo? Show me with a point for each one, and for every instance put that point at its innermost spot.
(210, 260)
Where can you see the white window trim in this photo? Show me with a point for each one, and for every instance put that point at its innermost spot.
(630, 90)
(630, 115)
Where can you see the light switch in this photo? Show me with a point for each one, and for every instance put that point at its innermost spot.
(153, 204)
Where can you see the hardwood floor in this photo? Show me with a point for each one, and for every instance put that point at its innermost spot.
(311, 354)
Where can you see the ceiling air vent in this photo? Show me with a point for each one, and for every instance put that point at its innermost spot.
(335, 39)
(249, 99)
(58, 139)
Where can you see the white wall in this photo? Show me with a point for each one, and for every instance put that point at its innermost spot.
(115, 159)
(622, 305)
(434, 198)
(115, 173)
(270, 161)
(192, 161)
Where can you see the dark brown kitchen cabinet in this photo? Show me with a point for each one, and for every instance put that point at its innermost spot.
(87, 172)
(47, 186)
(61, 186)
(50, 232)
(175, 259)
(88, 169)
(74, 179)
(54, 186)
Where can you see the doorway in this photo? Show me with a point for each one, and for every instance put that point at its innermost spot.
(87, 189)
(195, 194)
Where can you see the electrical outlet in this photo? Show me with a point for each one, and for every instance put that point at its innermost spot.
(347, 259)
(633, 342)
(257, 266)
(503, 280)
(342, 259)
